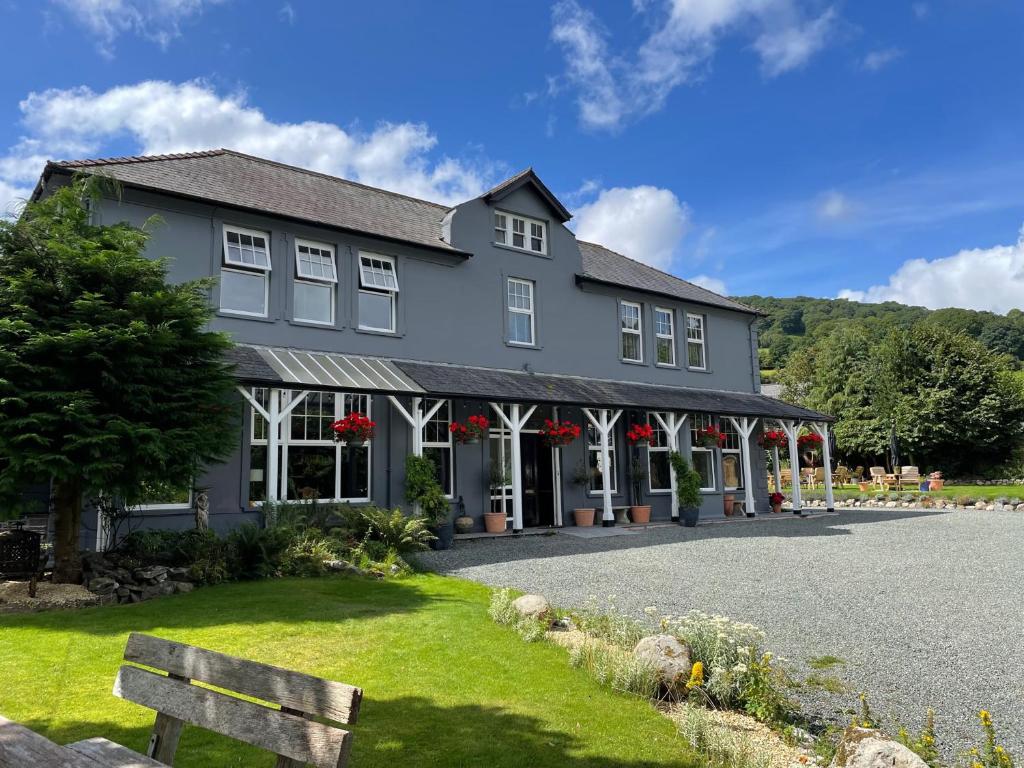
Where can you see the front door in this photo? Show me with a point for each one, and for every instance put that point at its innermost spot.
(538, 482)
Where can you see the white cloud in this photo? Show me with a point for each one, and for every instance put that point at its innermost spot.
(645, 223)
(834, 205)
(980, 278)
(878, 60)
(921, 10)
(287, 13)
(612, 89)
(156, 20)
(713, 284)
(158, 117)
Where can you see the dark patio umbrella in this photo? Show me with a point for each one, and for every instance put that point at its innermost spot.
(894, 449)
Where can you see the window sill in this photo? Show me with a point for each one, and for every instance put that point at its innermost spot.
(599, 494)
(624, 361)
(666, 492)
(525, 251)
(374, 332)
(669, 366)
(515, 345)
(238, 316)
(313, 324)
(698, 370)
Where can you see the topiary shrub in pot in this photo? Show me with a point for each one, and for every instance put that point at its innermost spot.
(688, 484)
(424, 492)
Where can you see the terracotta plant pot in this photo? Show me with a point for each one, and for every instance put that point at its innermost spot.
(935, 485)
(640, 515)
(463, 524)
(494, 522)
(776, 508)
(583, 517)
(729, 501)
(864, 487)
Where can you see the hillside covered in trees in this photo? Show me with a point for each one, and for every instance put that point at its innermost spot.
(795, 323)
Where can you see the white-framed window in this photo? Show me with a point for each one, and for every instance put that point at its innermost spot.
(520, 232)
(631, 323)
(521, 322)
(378, 290)
(594, 460)
(313, 465)
(156, 496)
(732, 459)
(316, 275)
(437, 443)
(703, 459)
(500, 475)
(245, 272)
(665, 336)
(658, 465)
(696, 350)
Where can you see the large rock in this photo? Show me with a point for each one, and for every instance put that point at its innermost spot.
(669, 657)
(869, 748)
(102, 585)
(532, 606)
(154, 574)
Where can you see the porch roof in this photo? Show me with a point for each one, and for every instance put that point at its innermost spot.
(321, 370)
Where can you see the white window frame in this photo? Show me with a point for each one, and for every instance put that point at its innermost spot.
(670, 337)
(501, 218)
(531, 286)
(733, 438)
(444, 444)
(663, 447)
(509, 231)
(639, 332)
(250, 270)
(391, 293)
(316, 280)
(700, 341)
(594, 447)
(187, 504)
(286, 440)
(700, 421)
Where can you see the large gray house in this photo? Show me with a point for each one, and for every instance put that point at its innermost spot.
(344, 298)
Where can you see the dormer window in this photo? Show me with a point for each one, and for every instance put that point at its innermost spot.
(520, 232)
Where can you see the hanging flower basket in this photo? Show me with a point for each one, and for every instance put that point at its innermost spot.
(472, 431)
(773, 438)
(558, 433)
(710, 437)
(354, 430)
(640, 434)
(809, 443)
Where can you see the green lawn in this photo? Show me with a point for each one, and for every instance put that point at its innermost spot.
(952, 492)
(443, 685)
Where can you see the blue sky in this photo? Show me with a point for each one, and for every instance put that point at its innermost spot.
(783, 147)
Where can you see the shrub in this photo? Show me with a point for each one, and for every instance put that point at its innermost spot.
(308, 555)
(201, 551)
(396, 530)
(256, 553)
(719, 746)
(503, 612)
(964, 501)
(422, 489)
(615, 667)
(688, 482)
(609, 625)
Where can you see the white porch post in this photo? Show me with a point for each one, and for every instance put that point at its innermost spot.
(275, 416)
(604, 425)
(790, 428)
(514, 421)
(826, 458)
(417, 419)
(745, 426)
(672, 426)
(775, 469)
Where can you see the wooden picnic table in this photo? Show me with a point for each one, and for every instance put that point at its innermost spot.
(21, 747)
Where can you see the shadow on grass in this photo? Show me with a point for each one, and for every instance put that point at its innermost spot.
(416, 731)
(782, 526)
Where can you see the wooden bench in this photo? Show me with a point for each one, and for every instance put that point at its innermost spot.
(289, 731)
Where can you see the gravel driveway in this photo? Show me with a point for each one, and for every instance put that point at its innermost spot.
(926, 608)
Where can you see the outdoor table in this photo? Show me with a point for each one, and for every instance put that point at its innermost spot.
(21, 747)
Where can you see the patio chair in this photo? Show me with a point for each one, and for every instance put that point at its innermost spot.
(786, 477)
(808, 476)
(819, 476)
(911, 477)
(878, 478)
(858, 474)
(841, 476)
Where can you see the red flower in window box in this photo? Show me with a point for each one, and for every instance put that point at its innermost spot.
(710, 437)
(559, 432)
(476, 427)
(640, 434)
(773, 438)
(354, 430)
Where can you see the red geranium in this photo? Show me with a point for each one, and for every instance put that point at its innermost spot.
(711, 437)
(354, 428)
(776, 498)
(773, 438)
(559, 432)
(476, 427)
(640, 434)
(809, 442)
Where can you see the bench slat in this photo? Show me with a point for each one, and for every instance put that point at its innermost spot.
(294, 690)
(295, 737)
(111, 755)
(20, 746)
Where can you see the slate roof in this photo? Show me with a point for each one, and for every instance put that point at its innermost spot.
(232, 178)
(606, 266)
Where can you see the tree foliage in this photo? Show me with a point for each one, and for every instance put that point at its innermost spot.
(109, 380)
(954, 404)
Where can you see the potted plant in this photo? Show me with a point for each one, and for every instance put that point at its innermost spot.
(710, 437)
(584, 516)
(728, 503)
(776, 500)
(640, 434)
(863, 485)
(354, 430)
(494, 522)
(559, 433)
(688, 485)
(773, 438)
(472, 431)
(935, 481)
(425, 493)
(809, 444)
(638, 513)
(463, 522)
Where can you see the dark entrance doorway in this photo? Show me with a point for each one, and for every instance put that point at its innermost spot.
(538, 482)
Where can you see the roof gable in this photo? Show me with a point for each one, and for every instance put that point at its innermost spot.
(527, 178)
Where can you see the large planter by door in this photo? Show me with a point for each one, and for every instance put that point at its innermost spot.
(583, 517)
(494, 522)
(445, 535)
(640, 515)
(728, 501)
(463, 524)
(688, 516)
